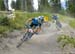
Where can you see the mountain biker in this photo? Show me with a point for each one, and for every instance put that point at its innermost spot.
(35, 22)
(55, 18)
(32, 22)
(56, 21)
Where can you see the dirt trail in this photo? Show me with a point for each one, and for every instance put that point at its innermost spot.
(43, 43)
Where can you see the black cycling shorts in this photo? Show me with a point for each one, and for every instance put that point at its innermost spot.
(40, 24)
(34, 25)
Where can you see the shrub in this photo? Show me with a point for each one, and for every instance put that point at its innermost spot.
(72, 23)
(66, 40)
(4, 21)
(3, 29)
(18, 22)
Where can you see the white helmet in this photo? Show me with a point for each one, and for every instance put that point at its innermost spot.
(41, 17)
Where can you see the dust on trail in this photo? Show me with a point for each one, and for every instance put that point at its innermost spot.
(43, 43)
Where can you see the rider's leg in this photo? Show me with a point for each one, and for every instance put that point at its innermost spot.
(39, 29)
(35, 28)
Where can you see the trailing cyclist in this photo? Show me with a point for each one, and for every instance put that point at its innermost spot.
(55, 18)
(56, 21)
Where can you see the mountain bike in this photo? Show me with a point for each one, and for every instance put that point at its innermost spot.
(58, 25)
(29, 33)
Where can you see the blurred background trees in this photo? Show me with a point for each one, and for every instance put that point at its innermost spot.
(42, 5)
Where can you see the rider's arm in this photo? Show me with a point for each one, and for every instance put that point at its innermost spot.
(27, 23)
(29, 20)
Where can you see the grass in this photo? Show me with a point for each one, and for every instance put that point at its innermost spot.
(3, 29)
(66, 40)
(66, 43)
(72, 23)
(22, 17)
(67, 19)
(18, 22)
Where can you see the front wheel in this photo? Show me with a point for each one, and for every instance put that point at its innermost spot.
(27, 36)
(58, 25)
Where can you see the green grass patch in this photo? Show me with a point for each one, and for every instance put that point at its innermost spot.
(64, 18)
(72, 23)
(19, 21)
(22, 17)
(3, 29)
(66, 40)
